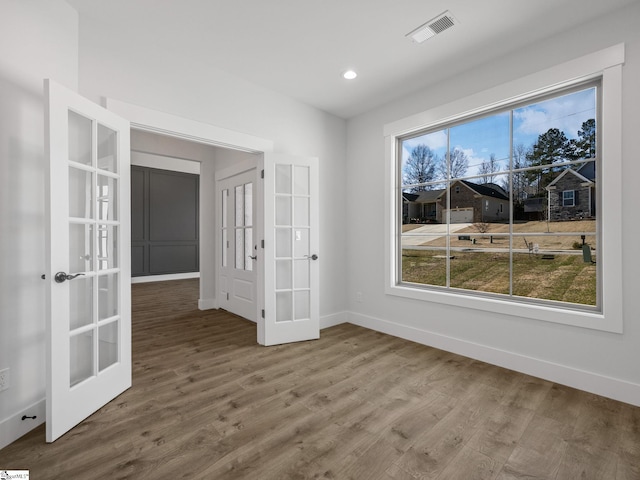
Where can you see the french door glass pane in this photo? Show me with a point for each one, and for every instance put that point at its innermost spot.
(107, 149)
(80, 193)
(79, 138)
(283, 274)
(284, 306)
(301, 245)
(239, 210)
(301, 273)
(283, 210)
(80, 357)
(283, 242)
(248, 205)
(107, 247)
(225, 220)
(248, 248)
(107, 198)
(107, 296)
(283, 178)
(301, 211)
(301, 180)
(224, 246)
(80, 302)
(239, 248)
(108, 344)
(225, 195)
(80, 247)
(302, 309)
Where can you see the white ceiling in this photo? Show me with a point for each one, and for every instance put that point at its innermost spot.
(301, 47)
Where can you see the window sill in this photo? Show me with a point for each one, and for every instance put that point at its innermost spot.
(509, 307)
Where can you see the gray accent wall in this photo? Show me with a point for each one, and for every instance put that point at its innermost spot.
(164, 222)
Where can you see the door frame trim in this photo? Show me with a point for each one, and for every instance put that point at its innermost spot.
(154, 121)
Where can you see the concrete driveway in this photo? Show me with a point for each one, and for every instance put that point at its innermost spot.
(428, 232)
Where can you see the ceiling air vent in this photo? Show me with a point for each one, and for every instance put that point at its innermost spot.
(436, 25)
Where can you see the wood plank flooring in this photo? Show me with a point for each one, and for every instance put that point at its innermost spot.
(208, 403)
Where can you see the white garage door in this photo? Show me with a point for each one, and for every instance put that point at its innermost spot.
(462, 215)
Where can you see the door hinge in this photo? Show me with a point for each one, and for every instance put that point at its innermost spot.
(263, 313)
(227, 296)
(262, 243)
(261, 173)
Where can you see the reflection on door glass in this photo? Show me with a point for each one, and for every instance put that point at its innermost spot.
(108, 296)
(80, 357)
(79, 138)
(108, 345)
(81, 243)
(107, 149)
(107, 198)
(107, 247)
(80, 302)
(80, 193)
(239, 248)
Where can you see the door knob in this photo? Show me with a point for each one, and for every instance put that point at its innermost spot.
(60, 277)
(312, 257)
(254, 257)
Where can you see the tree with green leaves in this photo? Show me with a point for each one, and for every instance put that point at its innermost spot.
(420, 168)
(551, 147)
(585, 145)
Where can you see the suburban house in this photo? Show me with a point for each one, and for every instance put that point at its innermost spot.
(470, 203)
(230, 84)
(572, 194)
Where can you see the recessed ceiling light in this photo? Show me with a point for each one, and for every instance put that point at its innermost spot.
(349, 74)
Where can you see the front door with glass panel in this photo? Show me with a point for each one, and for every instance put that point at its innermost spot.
(238, 253)
(291, 254)
(88, 272)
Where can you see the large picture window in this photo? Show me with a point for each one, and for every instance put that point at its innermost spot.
(504, 204)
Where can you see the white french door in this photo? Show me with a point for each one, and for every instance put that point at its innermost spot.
(88, 258)
(291, 250)
(238, 252)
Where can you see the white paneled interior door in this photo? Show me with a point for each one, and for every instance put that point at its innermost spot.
(238, 243)
(88, 259)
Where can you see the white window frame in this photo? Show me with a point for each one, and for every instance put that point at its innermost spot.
(605, 64)
(572, 198)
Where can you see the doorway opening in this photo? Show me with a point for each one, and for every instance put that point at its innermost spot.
(235, 289)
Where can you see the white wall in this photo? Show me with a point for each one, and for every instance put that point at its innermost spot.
(597, 361)
(38, 39)
(178, 84)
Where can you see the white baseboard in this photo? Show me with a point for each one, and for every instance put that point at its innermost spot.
(165, 278)
(333, 319)
(12, 428)
(207, 303)
(614, 388)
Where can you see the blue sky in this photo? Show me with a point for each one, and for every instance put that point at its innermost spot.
(490, 135)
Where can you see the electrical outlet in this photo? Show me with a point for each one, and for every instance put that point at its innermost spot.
(358, 296)
(4, 379)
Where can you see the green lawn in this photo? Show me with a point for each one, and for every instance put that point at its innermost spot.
(563, 278)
